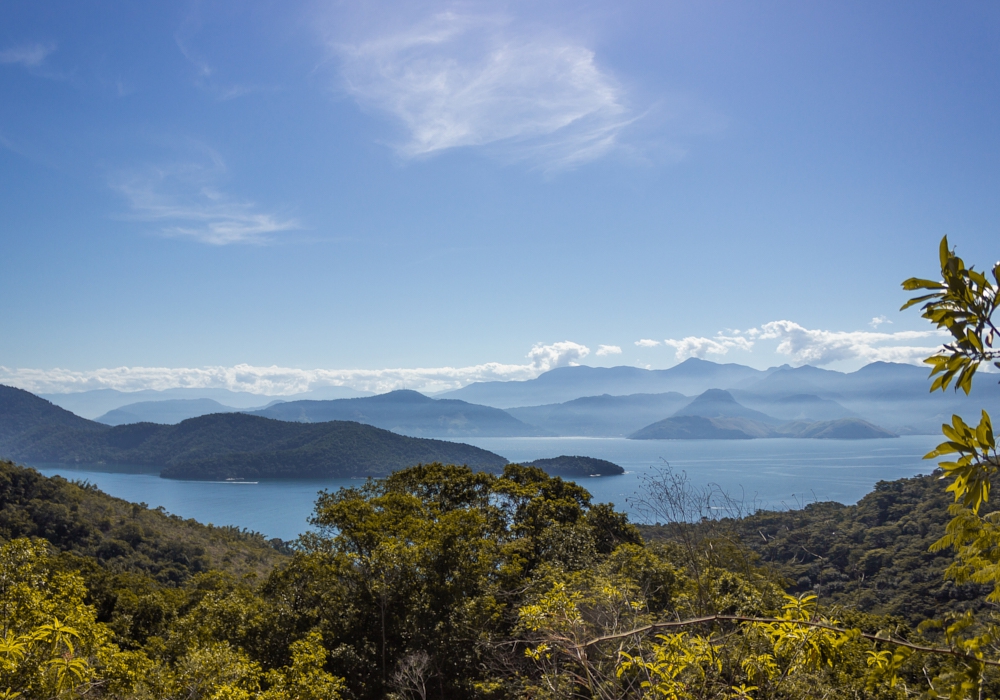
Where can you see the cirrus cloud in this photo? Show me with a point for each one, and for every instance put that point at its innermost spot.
(27, 55)
(186, 200)
(471, 80)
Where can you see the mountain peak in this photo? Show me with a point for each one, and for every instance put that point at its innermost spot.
(718, 403)
(715, 395)
(398, 396)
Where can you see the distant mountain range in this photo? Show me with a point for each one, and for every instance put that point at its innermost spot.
(97, 402)
(716, 415)
(601, 416)
(167, 411)
(220, 446)
(378, 434)
(409, 413)
(592, 401)
(895, 396)
(567, 383)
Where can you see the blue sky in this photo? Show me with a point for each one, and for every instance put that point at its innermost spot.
(273, 196)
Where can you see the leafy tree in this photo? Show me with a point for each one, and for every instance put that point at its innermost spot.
(963, 303)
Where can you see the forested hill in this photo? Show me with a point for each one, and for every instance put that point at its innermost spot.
(220, 445)
(22, 412)
(872, 556)
(124, 536)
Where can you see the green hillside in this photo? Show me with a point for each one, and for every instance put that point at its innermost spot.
(872, 556)
(79, 519)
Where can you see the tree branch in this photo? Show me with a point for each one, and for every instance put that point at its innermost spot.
(768, 620)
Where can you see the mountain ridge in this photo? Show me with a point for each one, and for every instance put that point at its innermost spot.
(222, 445)
(409, 413)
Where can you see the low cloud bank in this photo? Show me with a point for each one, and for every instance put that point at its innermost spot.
(284, 381)
(812, 346)
(799, 344)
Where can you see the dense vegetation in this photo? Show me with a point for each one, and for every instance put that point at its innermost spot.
(121, 536)
(873, 556)
(220, 446)
(443, 582)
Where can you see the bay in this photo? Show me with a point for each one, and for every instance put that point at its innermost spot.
(777, 473)
(772, 473)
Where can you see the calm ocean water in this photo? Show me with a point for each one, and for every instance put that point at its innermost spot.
(775, 473)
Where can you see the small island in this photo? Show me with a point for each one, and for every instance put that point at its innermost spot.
(576, 466)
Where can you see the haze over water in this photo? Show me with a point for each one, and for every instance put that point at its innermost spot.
(773, 473)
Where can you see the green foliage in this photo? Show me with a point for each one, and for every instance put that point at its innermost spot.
(123, 536)
(976, 465)
(872, 557)
(430, 561)
(962, 303)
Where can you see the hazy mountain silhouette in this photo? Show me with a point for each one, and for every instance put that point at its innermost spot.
(807, 407)
(716, 415)
(408, 413)
(601, 416)
(97, 402)
(168, 412)
(892, 395)
(690, 377)
(718, 403)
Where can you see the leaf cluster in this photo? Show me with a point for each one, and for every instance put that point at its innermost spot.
(961, 303)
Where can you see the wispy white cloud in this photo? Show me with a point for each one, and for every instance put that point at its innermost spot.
(206, 78)
(27, 55)
(457, 80)
(204, 70)
(186, 200)
(604, 350)
(813, 346)
(878, 321)
(647, 343)
(283, 381)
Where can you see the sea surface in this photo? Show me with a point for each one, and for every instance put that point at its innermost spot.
(773, 473)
